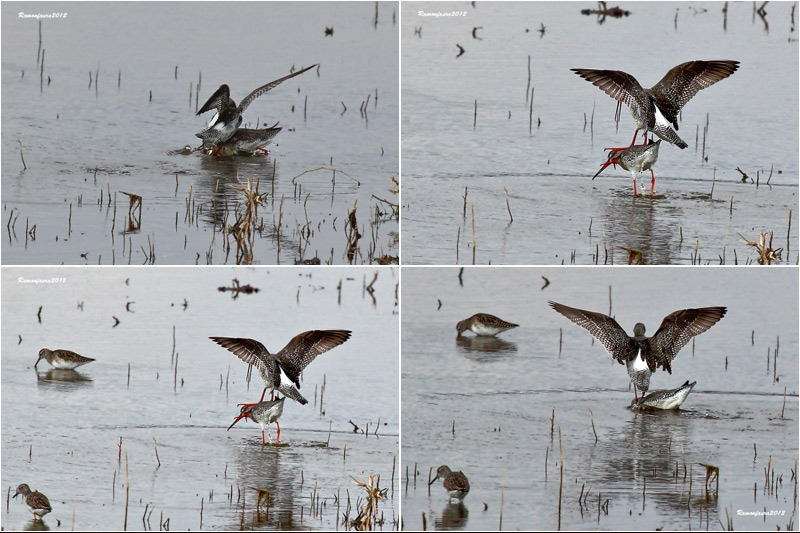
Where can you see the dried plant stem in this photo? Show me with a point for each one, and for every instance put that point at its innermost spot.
(24, 166)
(508, 206)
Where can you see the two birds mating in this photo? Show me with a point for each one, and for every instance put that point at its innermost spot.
(223, 135)
(640, 354)
(280, 370)
(655, 109)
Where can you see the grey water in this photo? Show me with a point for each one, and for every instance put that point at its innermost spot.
(505, 410)
(536, 161)
(113, 110)
(84, 437)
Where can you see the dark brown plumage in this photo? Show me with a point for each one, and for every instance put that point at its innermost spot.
(667, 97)
(281, 369)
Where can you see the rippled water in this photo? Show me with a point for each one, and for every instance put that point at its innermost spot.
(158, 376)
(541, 173)
(85, 144)
(504, 410)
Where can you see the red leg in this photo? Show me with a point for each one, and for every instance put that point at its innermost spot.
(259, 401)
(634, 194)
(263, 441)
(279, 432)
(653, 185)
(614, 151)
(266, 152)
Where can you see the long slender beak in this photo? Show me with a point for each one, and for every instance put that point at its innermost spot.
(434, 479)
(606, 164)
(236, 420)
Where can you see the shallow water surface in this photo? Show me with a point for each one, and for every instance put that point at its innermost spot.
(82, 437)
(505, 410)
(534, 162)
(113, 110)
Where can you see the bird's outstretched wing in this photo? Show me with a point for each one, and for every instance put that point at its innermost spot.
(264, 88)
(604, 328)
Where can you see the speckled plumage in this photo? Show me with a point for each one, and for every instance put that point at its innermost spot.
(666, 98)
(281, 369)
(246, 141)
(636, 158)
(665, 399)
(640, 354)
(228, 118)
(263, 413)
(484, 324)
(37, 503)
(455, 483)
(62, 359)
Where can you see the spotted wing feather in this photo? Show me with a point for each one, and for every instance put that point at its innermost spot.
(616, 84)
(264, 88)
(72, 356)
(305, 347)
(682, 82)
(37, 500)
(253, 353)
(675, 332)
(219, 100)
(604, 328)
(457, 481)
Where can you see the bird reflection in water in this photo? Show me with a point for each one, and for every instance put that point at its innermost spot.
(453, 516)
(486, 349)
(61, 375)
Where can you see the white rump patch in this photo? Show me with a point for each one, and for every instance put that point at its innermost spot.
(639, 364)
(661, 120)
(214, 119)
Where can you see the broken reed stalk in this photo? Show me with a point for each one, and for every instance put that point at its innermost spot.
(25, 167)
(788, 232)
(529, 79)
(127, 492)
(334, 170)
(591, 415)
(714, 182)
(561, 479)
(458, 238)
(530, 113)
(155, 447)
(784, 401)
(560, 341)
(502, 499)
(508, 206)
(473, 234)
(430, 471)
(475, 116)
(546, 454)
